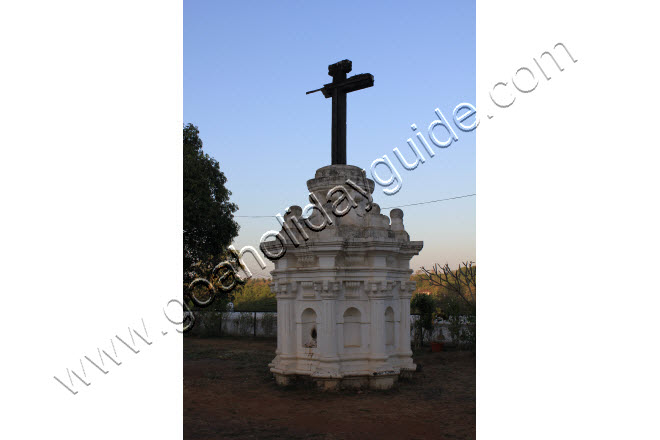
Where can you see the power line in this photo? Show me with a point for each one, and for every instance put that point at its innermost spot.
(431, 201)
(389, 207)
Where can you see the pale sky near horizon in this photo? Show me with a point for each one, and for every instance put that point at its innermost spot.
(247, 67)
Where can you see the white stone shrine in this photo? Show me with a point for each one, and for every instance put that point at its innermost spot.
(343, 294)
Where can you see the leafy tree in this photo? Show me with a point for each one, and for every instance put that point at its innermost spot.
(208, 215)
(255, 295)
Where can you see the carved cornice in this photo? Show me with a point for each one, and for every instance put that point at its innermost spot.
(406, 289)
(380, 289)
(307, 260)
(352, 289)
(284, 290)
(327, 289)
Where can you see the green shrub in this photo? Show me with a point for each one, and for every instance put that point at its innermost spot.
(425, 306)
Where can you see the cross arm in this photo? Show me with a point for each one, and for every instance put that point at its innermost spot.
(355, 82)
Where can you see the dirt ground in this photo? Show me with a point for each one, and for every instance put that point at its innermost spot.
(228, 393)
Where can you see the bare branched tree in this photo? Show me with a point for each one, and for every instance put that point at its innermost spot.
(462, 282)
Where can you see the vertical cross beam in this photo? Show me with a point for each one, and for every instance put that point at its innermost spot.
(338, 72)
(338, 149)
(337, 90)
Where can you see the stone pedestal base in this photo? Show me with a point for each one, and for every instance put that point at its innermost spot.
(380, 381)
(343, 288)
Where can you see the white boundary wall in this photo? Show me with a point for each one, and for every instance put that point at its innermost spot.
(209, 323)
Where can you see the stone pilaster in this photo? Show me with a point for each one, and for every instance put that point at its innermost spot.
(286, 325)
(328, 360)
(404, 351)
(379, 292)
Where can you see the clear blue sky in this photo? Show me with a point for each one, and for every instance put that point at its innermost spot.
(247, 66)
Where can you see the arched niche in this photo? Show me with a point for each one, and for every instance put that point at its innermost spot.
(389, 326)
(352, 329)
(309, 328)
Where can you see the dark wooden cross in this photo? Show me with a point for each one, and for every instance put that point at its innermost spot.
(337, 90)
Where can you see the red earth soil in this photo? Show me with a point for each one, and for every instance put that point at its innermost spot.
(228, 393)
